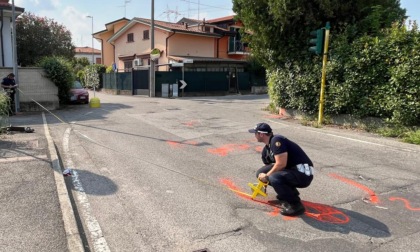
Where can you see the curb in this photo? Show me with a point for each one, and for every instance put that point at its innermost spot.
(74, 241)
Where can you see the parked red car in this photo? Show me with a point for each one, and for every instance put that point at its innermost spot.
(78, 94)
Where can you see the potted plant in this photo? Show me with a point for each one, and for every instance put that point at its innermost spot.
(155, 54)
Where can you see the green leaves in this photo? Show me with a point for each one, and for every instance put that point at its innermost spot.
(38, 37)
(59, 71)
(380, 76)
(91, 77)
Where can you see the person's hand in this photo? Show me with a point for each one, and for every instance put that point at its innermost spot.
(263, 177)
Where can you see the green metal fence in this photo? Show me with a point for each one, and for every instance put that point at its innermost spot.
(117, 81)
(197, 82)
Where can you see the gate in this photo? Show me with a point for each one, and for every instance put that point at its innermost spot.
(141, 82)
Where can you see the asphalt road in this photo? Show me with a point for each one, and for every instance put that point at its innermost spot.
(154, 174)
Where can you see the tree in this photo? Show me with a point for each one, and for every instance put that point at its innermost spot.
(39, 37)
(278, 30)
(79, 64)
(91, 78)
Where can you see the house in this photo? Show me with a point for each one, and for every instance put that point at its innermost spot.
(231, 46)
(205, 44)
(89, 53)
(6, 45)
(108, 55)
(207, 55)
(32, 81)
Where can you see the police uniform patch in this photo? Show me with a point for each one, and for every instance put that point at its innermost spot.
(278, 144)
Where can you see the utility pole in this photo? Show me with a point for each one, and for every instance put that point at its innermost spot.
(93, 53)
(15, 67)
(152, 46)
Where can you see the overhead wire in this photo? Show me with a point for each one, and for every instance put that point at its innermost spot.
(124, 153)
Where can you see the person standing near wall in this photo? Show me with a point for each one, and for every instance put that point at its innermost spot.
(9, 85)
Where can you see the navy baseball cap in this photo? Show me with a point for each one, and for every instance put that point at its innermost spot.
(261, 128)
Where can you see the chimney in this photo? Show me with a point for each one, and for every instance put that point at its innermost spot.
(186, 25)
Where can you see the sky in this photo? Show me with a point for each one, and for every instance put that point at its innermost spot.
(72, 13)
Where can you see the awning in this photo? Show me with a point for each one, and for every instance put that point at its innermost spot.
(205, 59)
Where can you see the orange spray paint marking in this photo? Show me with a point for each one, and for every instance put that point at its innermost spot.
(273, 116)
(243, 195)
(275, 212)
(324, 213)
(175, 144)
(191, 143)
(190, 123)
(406, 203)
(259, 149)
(373, 197)
(289, 218)
(227, 148)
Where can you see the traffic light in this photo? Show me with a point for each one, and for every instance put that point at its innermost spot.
(317, 41)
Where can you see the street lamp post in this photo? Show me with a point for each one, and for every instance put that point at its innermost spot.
(152, 46)
(15, 67)
(93, 56)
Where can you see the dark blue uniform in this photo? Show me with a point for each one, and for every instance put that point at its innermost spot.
(7, 84)
(298, 172)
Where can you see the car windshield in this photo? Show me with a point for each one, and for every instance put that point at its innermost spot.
(77, 85)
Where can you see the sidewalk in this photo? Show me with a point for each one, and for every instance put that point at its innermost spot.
(34, 205)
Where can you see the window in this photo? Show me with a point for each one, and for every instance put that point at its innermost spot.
(128, 65)
(146, 34)
(130, 37)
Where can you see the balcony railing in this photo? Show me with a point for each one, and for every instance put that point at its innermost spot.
(238, 47)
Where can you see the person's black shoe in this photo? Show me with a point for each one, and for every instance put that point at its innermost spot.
(292, 209)
(281, 202)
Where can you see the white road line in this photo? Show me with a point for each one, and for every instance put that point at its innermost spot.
(362, 141)
(99, 242)
(276, 122)
(74, 241)
(350, 139)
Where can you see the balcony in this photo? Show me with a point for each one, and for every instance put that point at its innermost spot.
(238, 47)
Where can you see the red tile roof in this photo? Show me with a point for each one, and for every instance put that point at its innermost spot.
(220, 19)
(86, 49)
(175, 26)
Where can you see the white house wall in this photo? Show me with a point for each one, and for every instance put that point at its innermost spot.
(7, 43)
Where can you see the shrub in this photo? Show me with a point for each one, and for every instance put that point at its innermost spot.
(59, 71)
(4, 108)
(371, 76)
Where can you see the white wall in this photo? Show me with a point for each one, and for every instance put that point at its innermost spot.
(34, 85)
(7, 43)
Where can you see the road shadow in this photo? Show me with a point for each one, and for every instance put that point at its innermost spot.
(333, 219)
(65, 114)
(91, 183)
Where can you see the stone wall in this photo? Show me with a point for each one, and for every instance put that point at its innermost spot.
(34, 86)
